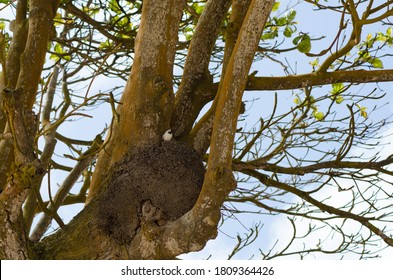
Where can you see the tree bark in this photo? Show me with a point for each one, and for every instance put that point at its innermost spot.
(22, 83)
(196, 88)
(200, 135)
(147, 102)
(234, 83)
(318, 79)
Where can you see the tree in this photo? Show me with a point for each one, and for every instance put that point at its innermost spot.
(146, 198)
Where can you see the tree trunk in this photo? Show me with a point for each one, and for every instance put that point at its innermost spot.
(147, 102)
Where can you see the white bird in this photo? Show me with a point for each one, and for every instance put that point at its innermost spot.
(167, 135)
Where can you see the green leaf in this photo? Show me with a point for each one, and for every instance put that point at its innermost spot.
(280, 21)
(314, 63)
(58, 20)
(188, 36)
(296, 40)
(291, 16)
(59, 54)
(339, 99)
(363, 111)
(276, 5)
(271, 34)
(377, 63)
(305, 44)
(91, 10)
(364, 54)
(58, 49)
(105, 44)
(337, 88)
(54, 57)
(288, 32)
(199, 9)
(114, 6)
(369, 40)
(389, 32)
(318, 115)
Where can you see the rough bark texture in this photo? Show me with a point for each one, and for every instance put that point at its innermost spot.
(239, 11)
(13, 241)
(197, 87)
(147, 101)
(11, 74)
(200, 136)
(148, 189)
(22, 172)
(318, 78)
(234, 83)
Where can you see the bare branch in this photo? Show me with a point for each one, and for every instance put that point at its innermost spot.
(317, 79)
(64, 189)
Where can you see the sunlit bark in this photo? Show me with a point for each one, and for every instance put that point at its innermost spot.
(147, 102)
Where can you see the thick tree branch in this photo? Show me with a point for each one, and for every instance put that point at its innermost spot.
(239, 11)
(11, 73)
(302, 170)
(200, 135)
(318, 79)
(40, 27)
(3, 117)
(219, 180)
(234, 82)
(18, 100)
(192, 230)
(195, 88)
(147, 102)
(20, 29)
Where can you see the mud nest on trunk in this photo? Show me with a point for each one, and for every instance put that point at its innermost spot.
(154, 184)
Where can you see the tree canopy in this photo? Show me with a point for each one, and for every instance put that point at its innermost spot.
(284, 102)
